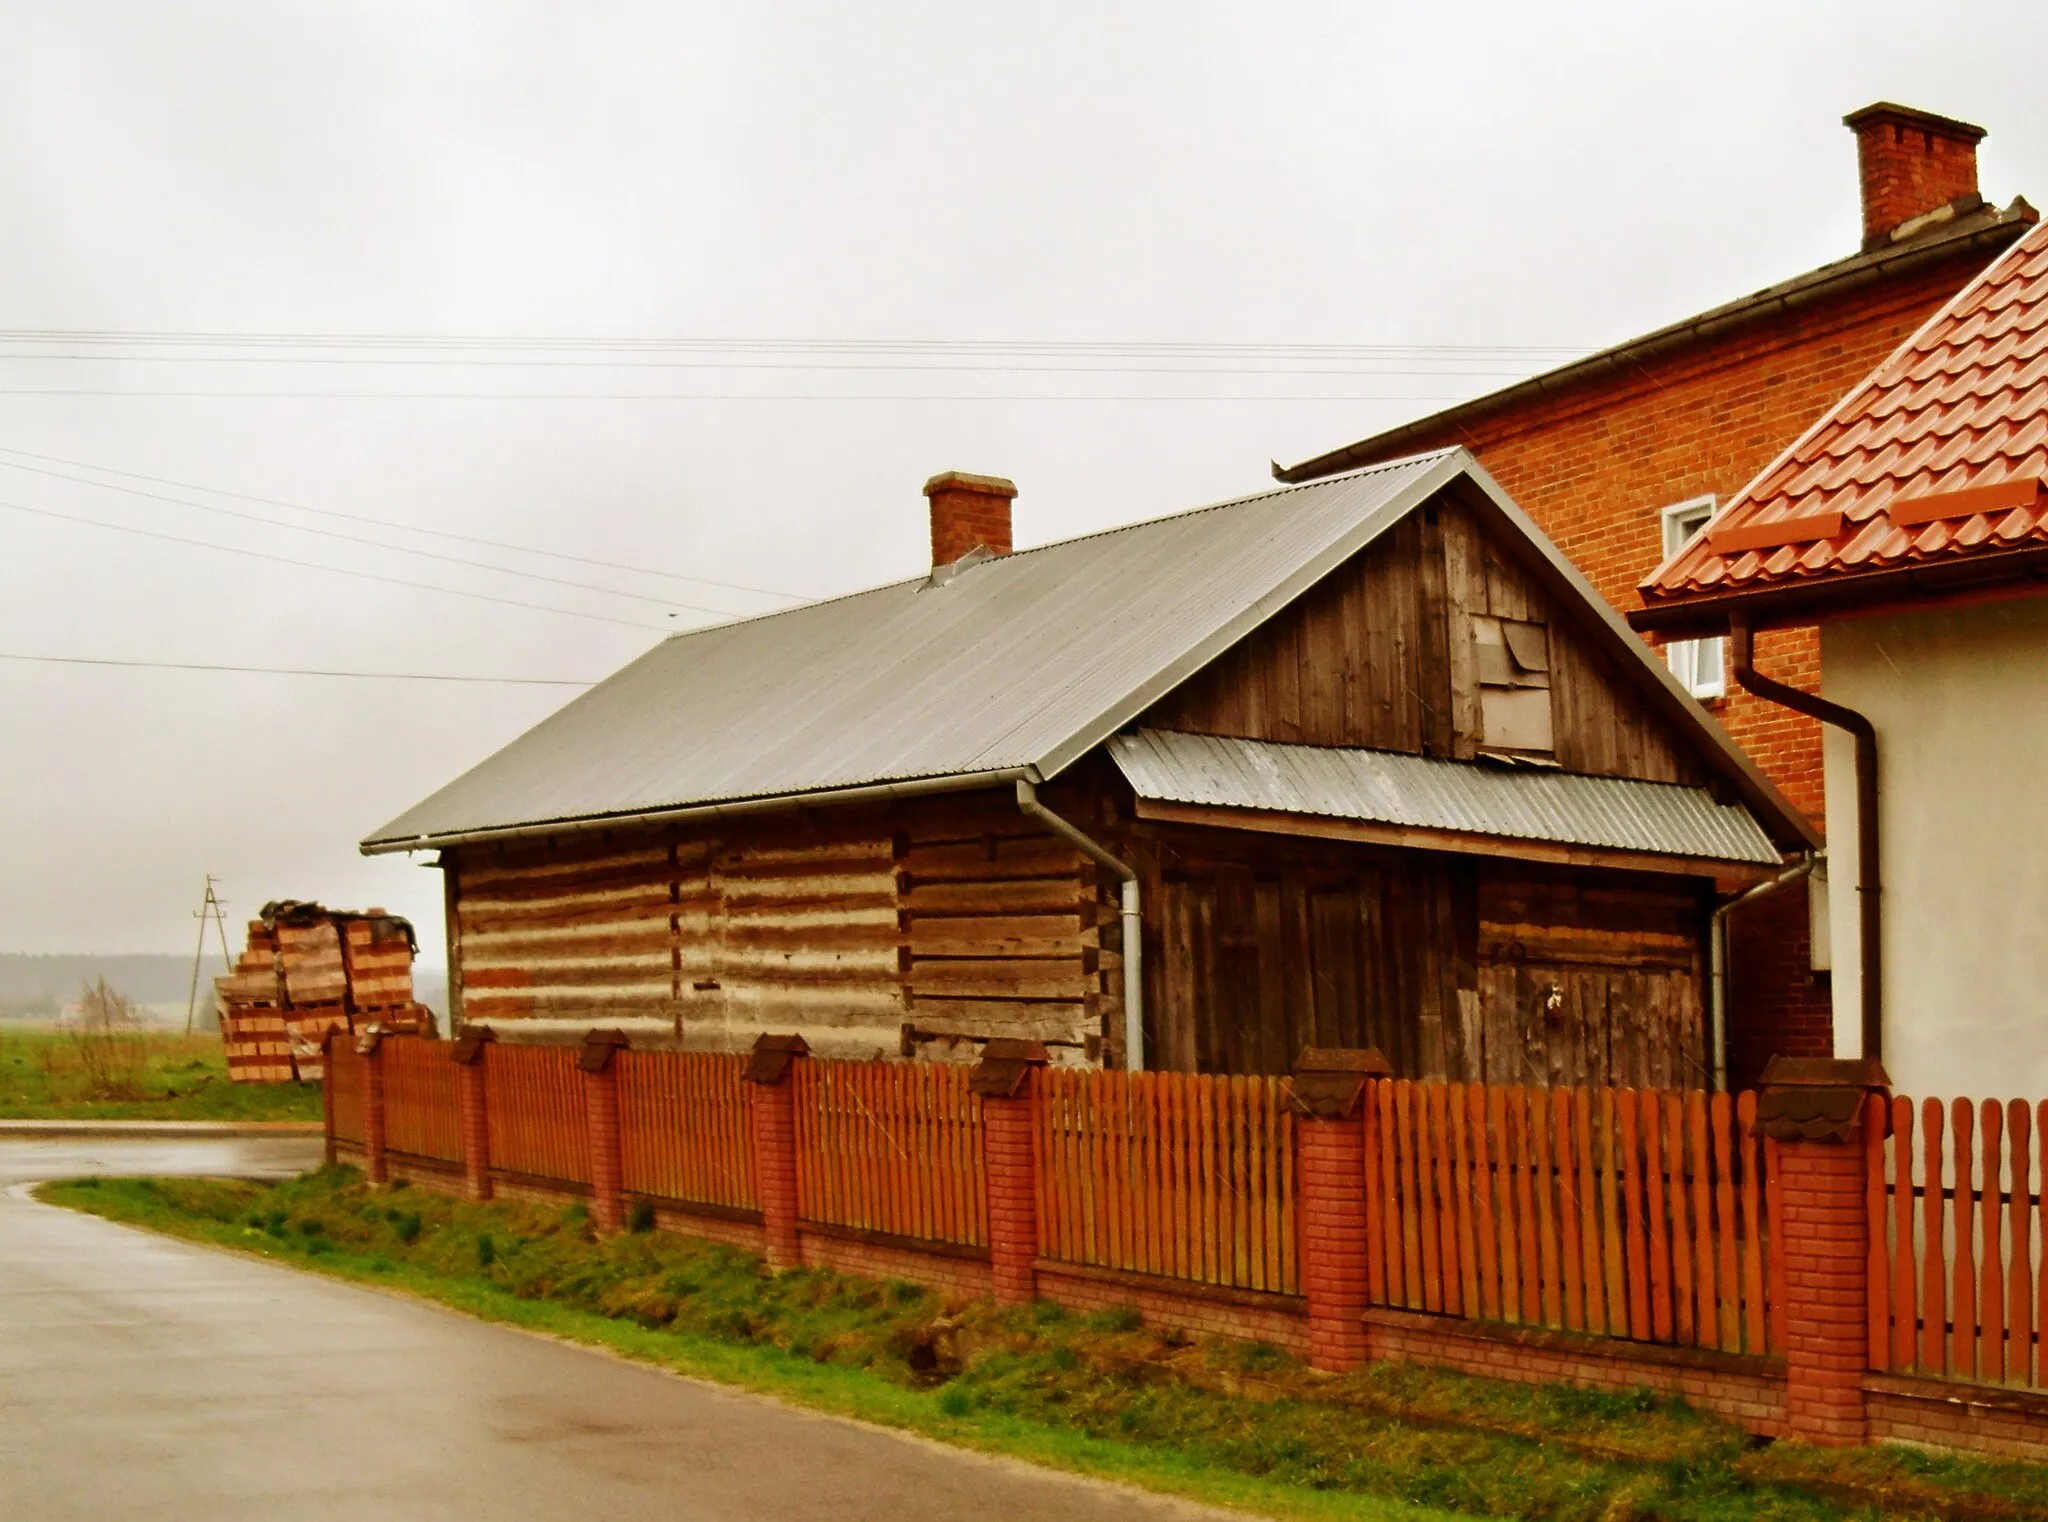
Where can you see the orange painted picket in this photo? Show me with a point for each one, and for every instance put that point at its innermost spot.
(891, 1147)
(684, 1128)
(1638, 1214)
(1959, 1238)
(1182, 1175)
(419, 1099)
(534, 1108)
(344, 1082)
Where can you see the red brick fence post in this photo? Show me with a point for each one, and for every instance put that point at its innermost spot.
(371, 1045)
(1329, 1095)
(1003, 1079)
(601, 1115)
(774, 1130)
(1813, 1109)
(473, 1109)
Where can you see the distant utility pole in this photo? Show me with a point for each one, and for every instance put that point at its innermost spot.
(209, 909)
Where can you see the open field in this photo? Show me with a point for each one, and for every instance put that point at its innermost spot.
(44, 1075)
(1229, 1423)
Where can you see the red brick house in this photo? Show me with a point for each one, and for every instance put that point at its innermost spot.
(1623, 455)
(1909, 529)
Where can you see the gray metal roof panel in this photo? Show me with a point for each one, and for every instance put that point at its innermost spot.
(1417, 792)
(1026, 661)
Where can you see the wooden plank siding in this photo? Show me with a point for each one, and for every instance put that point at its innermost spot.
(1454, 967)
(1381, 654)
(919, 929)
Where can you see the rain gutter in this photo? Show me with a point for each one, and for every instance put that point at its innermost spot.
(1133, 920)
(1870, 924)
(869, 793)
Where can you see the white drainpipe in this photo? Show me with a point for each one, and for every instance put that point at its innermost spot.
(1133, 921)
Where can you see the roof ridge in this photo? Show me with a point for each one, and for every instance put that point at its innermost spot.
(1406, 462)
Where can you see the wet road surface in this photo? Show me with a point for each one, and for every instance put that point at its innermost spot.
(146, 1378)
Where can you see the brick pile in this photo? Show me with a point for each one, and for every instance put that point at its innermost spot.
(307, 971)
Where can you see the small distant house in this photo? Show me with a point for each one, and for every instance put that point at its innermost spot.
(1910, 527)
(1621, 456)
(1358, 763)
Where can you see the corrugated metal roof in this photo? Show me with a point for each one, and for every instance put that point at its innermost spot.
(1386, 787)
(1938, 455)
(1027, 661)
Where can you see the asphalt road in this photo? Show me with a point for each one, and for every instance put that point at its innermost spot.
(146, 1378)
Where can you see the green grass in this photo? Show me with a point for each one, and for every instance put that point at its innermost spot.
(170, 1077)
(1231, 1423)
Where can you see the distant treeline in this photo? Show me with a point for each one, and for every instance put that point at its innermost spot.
(48, 982)
(37, 987)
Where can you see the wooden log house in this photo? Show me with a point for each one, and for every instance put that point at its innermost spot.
(1380, 768)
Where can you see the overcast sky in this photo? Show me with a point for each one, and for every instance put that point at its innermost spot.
(1490, 186)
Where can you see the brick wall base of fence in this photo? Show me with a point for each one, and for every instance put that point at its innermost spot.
(1749, 1392)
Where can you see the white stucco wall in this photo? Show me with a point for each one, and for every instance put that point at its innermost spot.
(1960, 701)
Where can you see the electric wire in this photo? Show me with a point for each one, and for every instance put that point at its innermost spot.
(381, 676)
(431, 533)
(315, 565)
(399, 549)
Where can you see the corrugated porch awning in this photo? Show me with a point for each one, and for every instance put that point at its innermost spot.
(1456, 798)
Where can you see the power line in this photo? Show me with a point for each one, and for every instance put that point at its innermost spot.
(923, 346)
(381, 676)
(314, 565)
(751, 364)
(431, 533)
(701, 396)
(399, 549)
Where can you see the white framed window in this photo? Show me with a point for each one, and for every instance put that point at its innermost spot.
(1696, 662)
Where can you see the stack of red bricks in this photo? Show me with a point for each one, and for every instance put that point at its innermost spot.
(307, 971)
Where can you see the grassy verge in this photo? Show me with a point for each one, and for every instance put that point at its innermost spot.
(162, 1076)
(1229, 1423)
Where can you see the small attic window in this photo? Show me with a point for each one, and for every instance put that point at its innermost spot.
(1514, 684)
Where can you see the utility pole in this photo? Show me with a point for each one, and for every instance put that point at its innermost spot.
(209, 909)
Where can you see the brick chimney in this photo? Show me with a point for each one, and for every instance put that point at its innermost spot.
(968, 512)
(1912, 164)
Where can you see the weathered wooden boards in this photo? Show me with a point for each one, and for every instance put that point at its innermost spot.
(1959, 1267)
(892, 1148)
(919, 929)
(1177, 1174)
(1383, 654)
(1628, 1213)
(1480, 971)
(683, 1128)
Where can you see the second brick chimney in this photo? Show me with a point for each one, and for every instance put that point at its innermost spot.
(968, 512)
(1912, 163)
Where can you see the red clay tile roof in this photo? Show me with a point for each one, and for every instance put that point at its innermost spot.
(1938, 456)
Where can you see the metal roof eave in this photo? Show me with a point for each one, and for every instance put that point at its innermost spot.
(874, 792)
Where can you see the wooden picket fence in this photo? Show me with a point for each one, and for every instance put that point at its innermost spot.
(1624, 1213)
(683, 1128)
(420, 1115)
(344, 1083)
(892, 1148)
(534, 1109)
(1177, 1174)
(1959, 1238)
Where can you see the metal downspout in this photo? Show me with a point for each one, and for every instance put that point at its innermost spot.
(1870, 924)
(1133, 922)
(1717, 955)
